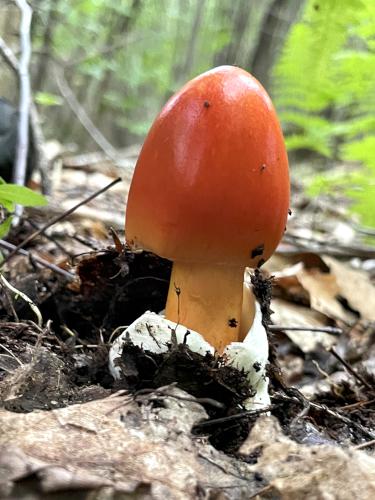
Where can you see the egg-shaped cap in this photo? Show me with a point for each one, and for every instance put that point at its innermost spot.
(211, 183)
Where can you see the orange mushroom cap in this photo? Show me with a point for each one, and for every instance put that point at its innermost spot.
(211, 183)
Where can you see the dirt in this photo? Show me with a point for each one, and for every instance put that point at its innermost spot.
(65, 361)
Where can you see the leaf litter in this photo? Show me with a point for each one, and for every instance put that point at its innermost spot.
(179, 416)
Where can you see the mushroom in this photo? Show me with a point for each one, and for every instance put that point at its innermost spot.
(210, 192)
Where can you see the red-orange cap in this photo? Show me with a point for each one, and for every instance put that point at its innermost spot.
(211, 183)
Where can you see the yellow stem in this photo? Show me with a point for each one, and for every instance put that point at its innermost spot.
(208, 299)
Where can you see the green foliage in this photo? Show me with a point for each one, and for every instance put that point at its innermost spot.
(324, 87)
(12, 195)
(47, 99)
(359, 185)
(132, 59)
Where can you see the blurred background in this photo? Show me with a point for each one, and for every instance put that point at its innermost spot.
(101, 70)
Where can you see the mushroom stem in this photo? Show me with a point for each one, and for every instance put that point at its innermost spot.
(208, 299)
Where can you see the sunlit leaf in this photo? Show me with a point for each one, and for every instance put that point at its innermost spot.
(12, 193)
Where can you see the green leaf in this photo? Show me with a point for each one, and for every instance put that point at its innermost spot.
(14, 194)
(7, 204)
(5, 227)
(47, 99)
(324, 91)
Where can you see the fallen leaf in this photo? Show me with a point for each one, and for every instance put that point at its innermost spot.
(289, 314)
(355, 286)
(324, 291)
(121, 445)
(313, 472)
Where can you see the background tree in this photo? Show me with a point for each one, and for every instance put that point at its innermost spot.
(120, 61)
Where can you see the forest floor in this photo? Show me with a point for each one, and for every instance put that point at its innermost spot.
(175, 426)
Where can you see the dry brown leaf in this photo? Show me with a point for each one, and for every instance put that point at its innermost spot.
(289, 314)
(276, 263)
(121, 445)
(310, 472)
(323, 291)
(114, 448)
(287, 284)
(355, 286)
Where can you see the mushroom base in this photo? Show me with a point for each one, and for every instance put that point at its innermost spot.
(207, 298)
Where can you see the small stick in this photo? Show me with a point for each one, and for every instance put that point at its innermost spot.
(364, 445)
(51, 239)
(11, 354)
(299, 397)
(38, 260)
(208, 401)
(58, 218)
(27, 299)
(85, 241)
(350, 368)
(326, 329)
(261, 491)
(81, 114)
(11, 305)
(359, 404)
(19, 172)
(361, 251)
(243, 414)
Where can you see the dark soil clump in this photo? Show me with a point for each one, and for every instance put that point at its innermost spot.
(66, 360)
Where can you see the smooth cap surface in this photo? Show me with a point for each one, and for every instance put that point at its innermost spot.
(211, 183)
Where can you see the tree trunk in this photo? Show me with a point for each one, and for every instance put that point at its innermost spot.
(275, 26)
(197, 22)
(231, 53)
(121, 26)
(42, 65)
(9, 27)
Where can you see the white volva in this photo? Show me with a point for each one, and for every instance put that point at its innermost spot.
(153, 332)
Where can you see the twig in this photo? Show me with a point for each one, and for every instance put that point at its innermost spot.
(50, 238)
(321, 246)
(326, 329)
(359, 404)
(11, 305)
(368, 231)
(115, 331)
(107, 50)
(19, 173)
(58, 218)
(14, 324)
(85, 242)
(220, 467)
(37, 132)
(350, 368)
(192, 399)
(243, 414)
(162, 392)
(148, 327)
(364, 445)
(91, 346)
(299, 397)
(38, 260)
(11, 354)
(27, 299)
(8, 55)
(265, 489)
(82, 116)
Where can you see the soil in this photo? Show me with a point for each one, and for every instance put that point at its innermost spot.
(66, 360)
